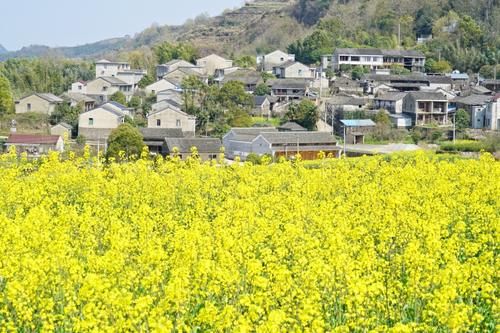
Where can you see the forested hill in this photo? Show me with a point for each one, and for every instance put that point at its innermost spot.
(3, 49)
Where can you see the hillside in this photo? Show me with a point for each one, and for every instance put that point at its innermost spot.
(259, 24)
(3, 49)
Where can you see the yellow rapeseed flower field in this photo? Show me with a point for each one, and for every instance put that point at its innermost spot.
(364, 245)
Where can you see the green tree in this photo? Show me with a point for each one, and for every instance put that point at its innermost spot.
(382, 118)
(119, 97)
(304, 113)
(246, 61)
(125, 138)
(6, 99)
(441, 66)
(135, 102)
(239, 117)
(233, 94)
(66, 113)
(262, 89)
(147, 80)
(462, 119)
(166, 51)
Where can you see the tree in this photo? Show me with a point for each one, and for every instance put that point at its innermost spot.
(233, 94)
(382, 118)
(304, 113)
(65, 112)
(6, 99)
(125, 138)
(462, 119)
(119, 97)
(441, 66)
(246, 62)
(238, 117)
(262, 89)
(167, 51)
(135, 102)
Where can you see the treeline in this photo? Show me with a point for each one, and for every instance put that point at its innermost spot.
(465, 32)
(44, 75)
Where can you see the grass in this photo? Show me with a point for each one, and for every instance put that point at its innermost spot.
(264, 121)
(465, 146)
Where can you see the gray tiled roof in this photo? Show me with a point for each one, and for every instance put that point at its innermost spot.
(301, 137)
(246, 76)
(291, 126)
(63, 124)
(252, 130)
(78, 97)
(473, 100)
(112, 110)
(392, 96)
(113, 80)
(152, 134)
(290, 83)
(204, 145)
(427, 96)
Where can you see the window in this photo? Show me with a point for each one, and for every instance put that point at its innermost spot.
(158, 122)
(104, 88)
(91, 121)
(178, 123)
(344, 58)
(79, 87)
(28, 107)
(282, 59)
(300, 72)
(102, 72)
(355, 58)
(212, 156)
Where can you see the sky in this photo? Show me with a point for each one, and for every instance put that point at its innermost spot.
(70, 22)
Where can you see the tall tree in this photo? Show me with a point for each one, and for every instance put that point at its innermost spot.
(6, 99)
(304, 113)
(125, 138)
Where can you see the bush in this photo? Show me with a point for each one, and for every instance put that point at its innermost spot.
(465, 146)
(253, 158)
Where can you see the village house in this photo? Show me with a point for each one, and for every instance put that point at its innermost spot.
(391, 101)
(61, 129)
(79, 87)
(40, 103)
(170, 94)
(163, 69)
(492, 114)
(414, 82)
(120, 70)
(178, 75)
(154, 138)
(167, 115)
(241, 142)
(293, 70)
(161, 85)
(460, 80)
(290, 89)
(273, 59)
(375, 58)
(98, 123)
(262, 106)
(207, 148)
(102, 88)
(475, 105)
(35, 145)
(493, 85)
(355, 130)
(78, 99)
(248, 77)
(346, 103)
(343, 84)
(426, 108)
(213, 62)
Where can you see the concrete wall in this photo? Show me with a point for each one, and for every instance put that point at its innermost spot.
(160, 85)
(170, 118)
(78, 87)
(109, 69)
(100, 87)
(103, 123)
(213, 62)
(297, 70)
(36, 104)
(492, 116)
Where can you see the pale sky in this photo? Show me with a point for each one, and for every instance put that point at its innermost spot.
(70, 22)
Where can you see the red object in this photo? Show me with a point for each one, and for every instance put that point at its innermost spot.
(32, 139)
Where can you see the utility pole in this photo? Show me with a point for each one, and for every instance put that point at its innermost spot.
(454, 127)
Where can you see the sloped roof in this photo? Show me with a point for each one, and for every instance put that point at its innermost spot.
(427, 96)
(290, 83)
(113, 80)
(473, 100)
(118, 105)
(161, 133)
(63, 124)
(300, 137)
(392, 96)
(246, 76)
(32, 139)
(204, 145)
(459, 76)
(259, 100)
(291, 126)
(108, 108)
(355, 51)
(481, 90)
(379, 52)
(78, 97)
(439, 79)
(213, 55)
